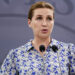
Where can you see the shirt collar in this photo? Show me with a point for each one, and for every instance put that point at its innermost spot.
(54, 42)
(29, 45)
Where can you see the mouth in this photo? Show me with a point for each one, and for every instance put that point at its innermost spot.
(44, 30)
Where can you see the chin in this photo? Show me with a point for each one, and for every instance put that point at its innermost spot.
(44, 36)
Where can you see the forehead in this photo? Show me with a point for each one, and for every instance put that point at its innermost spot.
(43, 12)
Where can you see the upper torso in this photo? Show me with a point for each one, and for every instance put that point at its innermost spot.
(28, 61)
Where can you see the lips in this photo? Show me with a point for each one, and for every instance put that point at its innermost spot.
(44, 30)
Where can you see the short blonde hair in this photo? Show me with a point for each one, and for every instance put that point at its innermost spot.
(41, 4)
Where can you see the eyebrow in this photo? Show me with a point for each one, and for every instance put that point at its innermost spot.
(47, 15)
(38, 15)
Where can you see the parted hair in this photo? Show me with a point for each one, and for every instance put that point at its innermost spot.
(40, 4)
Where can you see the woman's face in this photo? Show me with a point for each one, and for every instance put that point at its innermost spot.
(42, 22)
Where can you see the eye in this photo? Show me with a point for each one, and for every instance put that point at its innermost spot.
(39, 18)
(49, 18)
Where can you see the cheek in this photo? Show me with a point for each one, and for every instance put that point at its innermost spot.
(32, 25)
(35, 27)
(51, 26)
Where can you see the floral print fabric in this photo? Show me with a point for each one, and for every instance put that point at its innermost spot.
(27, 61)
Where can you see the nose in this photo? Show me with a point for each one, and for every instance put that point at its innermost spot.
(44, 23)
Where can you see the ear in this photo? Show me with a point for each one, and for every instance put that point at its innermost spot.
(29, 23)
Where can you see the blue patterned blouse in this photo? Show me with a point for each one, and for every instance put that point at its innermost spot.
(28, 61)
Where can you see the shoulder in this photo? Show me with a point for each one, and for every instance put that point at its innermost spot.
(64, 45)
(20, 49)
(23, 48)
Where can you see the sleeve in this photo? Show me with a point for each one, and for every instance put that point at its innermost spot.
(72, 58)
(8, 66)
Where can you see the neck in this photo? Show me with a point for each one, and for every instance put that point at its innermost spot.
(41, 41)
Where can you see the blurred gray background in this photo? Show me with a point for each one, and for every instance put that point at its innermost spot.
(14, 30)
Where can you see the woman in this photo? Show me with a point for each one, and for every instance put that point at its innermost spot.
(55, 58)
